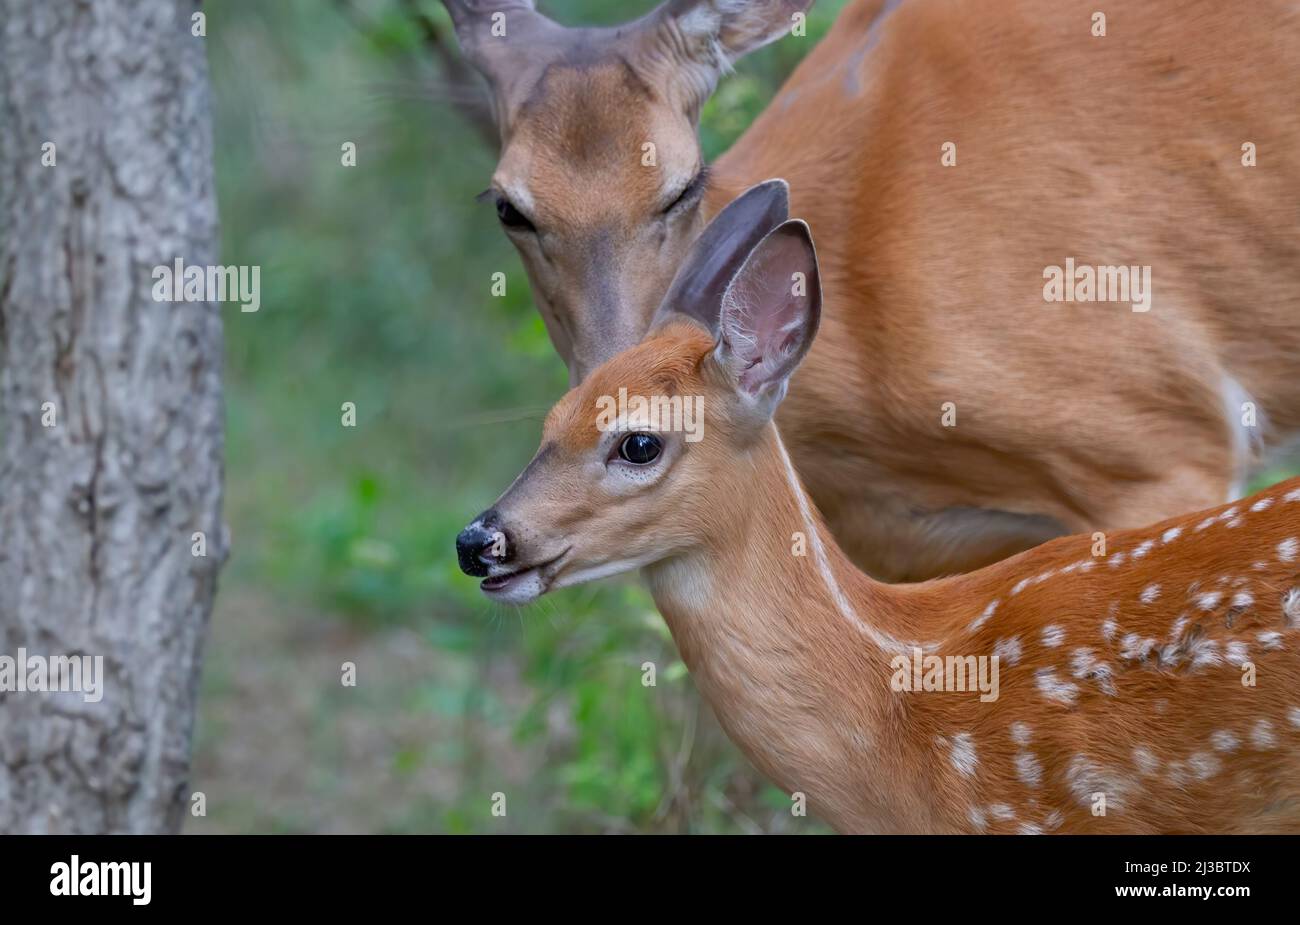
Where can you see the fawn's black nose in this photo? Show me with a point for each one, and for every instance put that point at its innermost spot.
(481, 544)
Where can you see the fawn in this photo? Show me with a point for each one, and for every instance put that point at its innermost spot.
(1144, 681)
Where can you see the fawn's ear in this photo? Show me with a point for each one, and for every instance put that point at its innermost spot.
(720, 251)
(770, 313)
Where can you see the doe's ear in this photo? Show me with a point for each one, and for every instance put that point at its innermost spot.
(719, 252)
(770, 314)
(717, 32)
(507, 41)
(486, 28)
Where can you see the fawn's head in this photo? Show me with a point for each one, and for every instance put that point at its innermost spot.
(634, 460)
(600, 176)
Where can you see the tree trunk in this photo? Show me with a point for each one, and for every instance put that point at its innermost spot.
(110, 406)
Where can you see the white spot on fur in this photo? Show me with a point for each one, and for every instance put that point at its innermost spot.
(1205, 524)
(1169, 654)
(1053, 688)
(1204, 653)
(1209, 600)
(1085, 778)
(1143, 548)
(1135, 647)
(1270, 640)
(1293, 716)
(1171, 534)
(1021, 733)
(1263, 504)
(1204, 765)
(1021, 585)
(1262, 735)
(976, 817)
(1172, 650)
(1054, 820)
(1087, 667)
(1243, 599)
(1292, 495)
(1108, 629)
(984, 616)
(1224, 741)
(1028, 769)
(1117, 559)
(1028, 828)
(1287, 549)
(1008, 650)
(1053, 635)
(1145, 760)
(962, 754)
(1002, 812)
(1150, 593)
(1236, 653)
(1291, 607)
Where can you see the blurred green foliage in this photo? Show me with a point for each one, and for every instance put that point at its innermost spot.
(376, 292)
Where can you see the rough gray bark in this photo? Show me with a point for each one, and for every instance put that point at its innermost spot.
(97, 512)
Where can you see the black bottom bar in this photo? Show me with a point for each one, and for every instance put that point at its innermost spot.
(332, 874)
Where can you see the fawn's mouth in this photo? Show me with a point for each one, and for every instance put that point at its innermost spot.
(522, 586)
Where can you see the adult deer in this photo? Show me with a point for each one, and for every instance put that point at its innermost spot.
(1115, 150)
(1153, 686)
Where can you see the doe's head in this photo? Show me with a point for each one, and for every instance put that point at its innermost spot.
(600, 177)
(633, 461)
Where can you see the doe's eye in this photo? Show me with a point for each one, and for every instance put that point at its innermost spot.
(640, 449)
(510, 216)
(691, 194)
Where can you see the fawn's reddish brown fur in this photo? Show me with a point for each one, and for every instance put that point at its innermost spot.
(1103, 691)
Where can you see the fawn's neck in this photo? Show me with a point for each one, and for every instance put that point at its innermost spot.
(791, 646)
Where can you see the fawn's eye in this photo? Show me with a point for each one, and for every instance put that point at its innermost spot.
(640, 449)
(512, 217)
